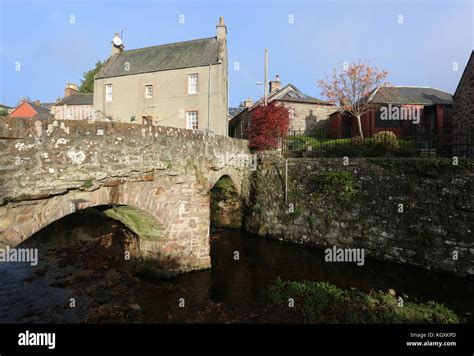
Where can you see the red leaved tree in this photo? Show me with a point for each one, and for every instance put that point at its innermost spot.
(267, 124)
(352, 87)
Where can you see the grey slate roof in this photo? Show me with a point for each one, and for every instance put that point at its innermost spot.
(76, 99)
(186, 54)
(39, 109)
(47, 105)
(297, 96)
(289, 93)
(235, 110)
(411, 95)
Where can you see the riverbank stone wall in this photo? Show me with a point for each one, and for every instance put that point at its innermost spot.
(414, 211)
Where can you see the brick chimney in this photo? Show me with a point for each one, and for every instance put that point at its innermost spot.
(248, 103)
(70, 89)
(37, 102)
(221, 29)
(275, 84)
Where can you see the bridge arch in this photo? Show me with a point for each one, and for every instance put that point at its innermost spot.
(53, 168)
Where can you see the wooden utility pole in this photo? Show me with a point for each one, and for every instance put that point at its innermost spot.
(265, 83)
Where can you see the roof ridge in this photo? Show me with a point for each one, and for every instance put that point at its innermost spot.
(416, 86)
(168, 44)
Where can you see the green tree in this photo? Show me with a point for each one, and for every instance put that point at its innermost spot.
(87, 83)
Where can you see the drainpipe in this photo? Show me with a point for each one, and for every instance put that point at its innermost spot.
(209, 102)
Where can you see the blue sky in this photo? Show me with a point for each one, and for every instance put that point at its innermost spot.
(323, 34)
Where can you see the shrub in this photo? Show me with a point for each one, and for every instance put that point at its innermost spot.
(268, 123)
(357, 141)
(387, 138)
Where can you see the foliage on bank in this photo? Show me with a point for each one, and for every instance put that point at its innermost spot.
(424, 167)
(321, 302)
(268, 123)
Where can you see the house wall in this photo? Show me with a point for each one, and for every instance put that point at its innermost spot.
(241, 125)
(73, 112)
(406, 128)
(170, 100)
(463, 112)
(335, 125)
(305, 116)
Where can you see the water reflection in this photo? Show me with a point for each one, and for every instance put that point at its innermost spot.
(76, 260)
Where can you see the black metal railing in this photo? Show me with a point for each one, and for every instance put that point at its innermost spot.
(308, 143)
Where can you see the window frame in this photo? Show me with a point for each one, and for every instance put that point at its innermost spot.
(69, 112)
(189, 83)
(191, 127)
(146, 91)
(109, 85)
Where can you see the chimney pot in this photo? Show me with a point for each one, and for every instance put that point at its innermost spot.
(248, 103)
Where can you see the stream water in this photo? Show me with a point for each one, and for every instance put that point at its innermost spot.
(81, 257)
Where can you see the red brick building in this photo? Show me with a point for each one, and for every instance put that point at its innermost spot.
(406, 111)
(28, 109)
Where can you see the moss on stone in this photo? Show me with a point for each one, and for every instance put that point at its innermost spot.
(87, 184)
(226, 204)
(200, 178)
(145, 225)
(426, 167)
(337, 184)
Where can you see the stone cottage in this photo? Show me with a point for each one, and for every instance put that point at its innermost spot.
(306, 112)
(463, 112)
(181, 84)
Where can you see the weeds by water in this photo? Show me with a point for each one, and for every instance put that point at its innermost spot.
(321, 302)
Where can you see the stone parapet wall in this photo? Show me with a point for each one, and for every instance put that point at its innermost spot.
(49, 169)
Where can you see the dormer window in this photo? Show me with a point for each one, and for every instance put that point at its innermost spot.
(148, 91)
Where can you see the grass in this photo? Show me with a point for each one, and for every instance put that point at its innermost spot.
(321, 302)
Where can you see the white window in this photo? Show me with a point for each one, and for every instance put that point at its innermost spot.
(108, 92)
(69, 112)
(192, 120)
(192, 84)
(148, 91)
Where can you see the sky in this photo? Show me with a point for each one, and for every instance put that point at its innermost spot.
(48, 43)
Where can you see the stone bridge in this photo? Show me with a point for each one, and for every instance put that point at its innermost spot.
(161, 175)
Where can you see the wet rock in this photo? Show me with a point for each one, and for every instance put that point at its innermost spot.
(392, 292)
(135, 307)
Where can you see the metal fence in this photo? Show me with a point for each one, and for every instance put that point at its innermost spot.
(309, 143)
